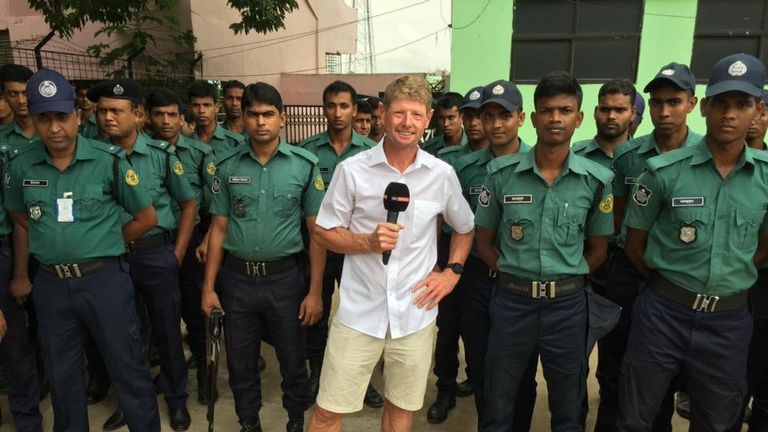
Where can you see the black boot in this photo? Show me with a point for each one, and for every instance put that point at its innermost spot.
(373, 398)
(115, 421)
(315, 366)
(438, 411)
(295, 422)
(252, 425)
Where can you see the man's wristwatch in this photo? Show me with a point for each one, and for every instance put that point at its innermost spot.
(455, 267)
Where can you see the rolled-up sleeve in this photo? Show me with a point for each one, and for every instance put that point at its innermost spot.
(457, 213)
(339, 201)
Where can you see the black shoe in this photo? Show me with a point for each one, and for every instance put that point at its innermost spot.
(683, 405)
(115, 421)
(295, 424)
(180, 419)
(438, 411)
(262, 364)
(373, 398)
(202, 386)
(253, 425)
(96, 390)
(315, 365)
(464, 388)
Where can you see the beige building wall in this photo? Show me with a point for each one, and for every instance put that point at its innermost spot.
(303, 89)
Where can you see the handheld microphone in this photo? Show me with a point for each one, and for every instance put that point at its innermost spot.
(396, 199)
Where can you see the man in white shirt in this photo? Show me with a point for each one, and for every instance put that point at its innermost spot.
(389, 309)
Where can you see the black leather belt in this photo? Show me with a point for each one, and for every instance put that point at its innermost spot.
(259, 269)
(148, 243)
(478, 266)
(697, 302)
(72, 271)
(540, 289)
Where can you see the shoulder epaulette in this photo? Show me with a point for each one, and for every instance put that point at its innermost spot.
(431, 141)
(598, 171)
(580, 145)
(227, 154)
(665, 159)
(112, 149)
(236, 136)
(450, 149)
(465, 161)
(369, 142)
(164, 145)
(310, 140)
(197, 145)
(502, 162)
(14, 152)
(627, 147)
(306, 154)
(761, 155)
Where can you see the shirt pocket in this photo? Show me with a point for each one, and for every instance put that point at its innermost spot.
(424, 213)
(88, 203)
(748, 221)
(38, 202)
(571, 225)
(287, 201)
(244, 203)
(691, 226)
(521, 227)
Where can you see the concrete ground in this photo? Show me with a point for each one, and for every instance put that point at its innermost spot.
(273, 417)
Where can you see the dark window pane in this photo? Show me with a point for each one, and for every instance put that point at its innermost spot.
(609, 16)
(707, 51)
(532, 59)
(603, 59)
(736, 16)
(543, 17)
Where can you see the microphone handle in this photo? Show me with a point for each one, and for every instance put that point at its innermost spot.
(391, 218)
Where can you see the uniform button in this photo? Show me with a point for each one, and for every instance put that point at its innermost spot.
(265, 168)
(543, 252)
(546, 220)
(263, 191)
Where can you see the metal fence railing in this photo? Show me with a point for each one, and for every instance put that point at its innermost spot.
(303, 122)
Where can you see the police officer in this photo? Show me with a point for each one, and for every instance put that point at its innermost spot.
(449, 119)
(203, 105)
(13, 79)
(334, 145)
(501, 117)
(756, 131)
(670, 101)
(549, 211)
(377, 119)
(361, 123)
(199, 169)
(154, 257)
(69, 193)
(637, 119)
(262, 193)
(233, 95)
(696, 228)
(89, 126)
(17, 350)
(6, 115)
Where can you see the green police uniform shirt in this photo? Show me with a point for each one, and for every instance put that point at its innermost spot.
(162, 174)
(199, 168)
(451, 154)
(629, 163)
(266, 204)
(243, 134)
(703, 230)
(222, 139)
(541, 228)
(34, 186)
(5, 221)
(5, 127)
(435, 144)
(320, 146)
(90, 129)
(591, 150)
(14, 138)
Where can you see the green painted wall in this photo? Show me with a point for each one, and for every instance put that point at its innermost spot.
(480, 53)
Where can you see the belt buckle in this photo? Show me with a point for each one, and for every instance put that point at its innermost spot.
(255, 268)
(491, 273)
(130, 247)
(545, 289)
(705, 303)
(68, 271)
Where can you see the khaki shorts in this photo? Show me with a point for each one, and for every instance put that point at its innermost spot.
(350, 357)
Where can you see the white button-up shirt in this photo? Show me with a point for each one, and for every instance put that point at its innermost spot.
(373, 296)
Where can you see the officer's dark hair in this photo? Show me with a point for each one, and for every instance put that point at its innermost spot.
(374, 103)
(261, 92)
(618, 86)
(232, 84)
(558, 83)
(11, 72)
(337, 87)
(450, 100)
(363, 107)
(162, 97)
(202, 89)
(184, 110)
(82, 85)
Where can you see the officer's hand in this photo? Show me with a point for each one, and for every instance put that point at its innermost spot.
(434, 287)
(179, 256)
(20, 289)
(3, 325)
(201, 252)
(311, 310)
(209, 301)
(385, 237)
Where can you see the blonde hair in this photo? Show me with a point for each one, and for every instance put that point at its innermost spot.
(409, 87)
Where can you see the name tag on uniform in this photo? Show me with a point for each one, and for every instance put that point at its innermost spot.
(518, 199)
(64, 207)
(475, 190)
(34, 183)
(325, 170)
(239, 180)
(630, 180)
(688, 202)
